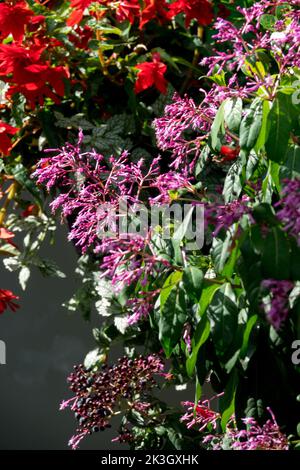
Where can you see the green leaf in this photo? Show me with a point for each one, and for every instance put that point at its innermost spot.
(221, 250)
(268, 22)
(200, 337)
(23, 178)
(223, 317)
(227, 402)
(263, 134)
(295, 261)
(172, 318)
(276, 256)
(184, 227)
(233, 184)
(169, 284)
(233, 113)
(217, 126)
(279, 125)
(208, 291)
(192, 279)
(291, 167)
(247, 332)
(264, 214)
(251, 125)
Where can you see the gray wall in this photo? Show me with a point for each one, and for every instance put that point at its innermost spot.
(43, 342)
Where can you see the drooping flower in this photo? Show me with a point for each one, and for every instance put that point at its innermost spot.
(7, 301)
(200, 10)
(13, 19)
(277, 309)
(151, 73)
(5, 141)
(99, 395)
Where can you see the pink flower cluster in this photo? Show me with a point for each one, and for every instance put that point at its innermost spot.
(92, 192)
(289, 208)
(281, 41)
(254, 437)
(278, 309)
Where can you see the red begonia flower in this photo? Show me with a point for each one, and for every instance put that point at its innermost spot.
(154, 9)
(79, 7)
(151, 73)
(5, 141)
(13, 19)
(30, 76)
(128, 10)
(200, 10)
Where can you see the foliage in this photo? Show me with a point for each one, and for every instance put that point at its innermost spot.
(224, 311)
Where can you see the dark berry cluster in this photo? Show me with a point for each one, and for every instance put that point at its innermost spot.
(99, 395)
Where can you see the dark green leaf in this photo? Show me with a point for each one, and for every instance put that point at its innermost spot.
(172, 318)
(280, 125)
(192, 279)
(275, 256)
(201, 335)
(251, 126)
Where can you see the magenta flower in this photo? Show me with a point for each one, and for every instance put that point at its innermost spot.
(278, 308)
(289, 208)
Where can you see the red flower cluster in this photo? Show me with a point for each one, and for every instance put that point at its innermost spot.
(5, 141)
(79, 7)
(14, 17)
(160, 10)
(155, 9)
(30, 74)
(6, 301)
(151, 73)
(200, 10)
